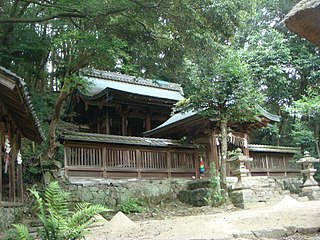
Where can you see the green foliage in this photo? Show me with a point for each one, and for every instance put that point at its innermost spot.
(10, 234)
(214, 197)
(131, 206)
(58, 222)
(23, 233)
(223, 90)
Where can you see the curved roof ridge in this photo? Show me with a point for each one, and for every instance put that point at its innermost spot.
(131, 79)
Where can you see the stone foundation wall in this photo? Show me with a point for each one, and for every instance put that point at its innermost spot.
(10, 213)
(116, 192)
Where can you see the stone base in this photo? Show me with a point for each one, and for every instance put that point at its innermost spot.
(312, 192)
(242, 198)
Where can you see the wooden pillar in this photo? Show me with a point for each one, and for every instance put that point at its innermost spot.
(138, 156)
(104, 162)
(107, 121)
(213, 153)
(197, 164)
(124, 123)
(169, 163)
(66, 155)
(12, 172)
(148, 120)
(246, 152)
(19, 172)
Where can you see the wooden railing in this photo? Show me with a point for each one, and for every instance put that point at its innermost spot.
(273, 165)
(109, 161)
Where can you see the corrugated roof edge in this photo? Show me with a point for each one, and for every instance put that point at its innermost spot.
(26, 97)
(125, 140)
(270, 148)
(131, 79)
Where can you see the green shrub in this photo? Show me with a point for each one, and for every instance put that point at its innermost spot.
(58, 222)
(214, 197)
(132, 205)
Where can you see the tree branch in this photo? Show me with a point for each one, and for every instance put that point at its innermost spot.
(42, 19)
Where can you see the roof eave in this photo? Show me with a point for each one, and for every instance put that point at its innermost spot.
(304, 20)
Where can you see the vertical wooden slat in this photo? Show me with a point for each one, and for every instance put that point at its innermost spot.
(168, 153)
(267, 162)
(104, 162)
(138, 156)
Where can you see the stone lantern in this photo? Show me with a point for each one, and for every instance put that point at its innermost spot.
(238, 164)
(310, 187)
(241, 195)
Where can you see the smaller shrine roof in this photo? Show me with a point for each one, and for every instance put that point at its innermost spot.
(181, 118)
(16, 99)
(104, 81)
(304, 20)
(123, 140)
(270, 148)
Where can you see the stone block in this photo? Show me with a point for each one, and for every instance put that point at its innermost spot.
(203, 183)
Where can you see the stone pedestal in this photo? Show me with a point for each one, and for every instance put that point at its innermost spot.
(310, 186)
(242, 198)
(241, 195)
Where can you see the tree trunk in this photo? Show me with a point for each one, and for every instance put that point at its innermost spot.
(223, 167)
(53, 145)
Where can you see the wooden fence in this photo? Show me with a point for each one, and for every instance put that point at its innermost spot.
(273, 164)
(116, 161)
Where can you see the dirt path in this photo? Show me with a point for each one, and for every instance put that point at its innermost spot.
(284, 218)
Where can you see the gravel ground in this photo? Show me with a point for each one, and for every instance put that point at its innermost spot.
(286, 220)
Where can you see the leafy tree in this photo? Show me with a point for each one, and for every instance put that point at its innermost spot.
(307, 110)
(224, 92)
(57, 220)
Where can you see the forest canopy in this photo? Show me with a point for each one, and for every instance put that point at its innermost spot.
(48, 42)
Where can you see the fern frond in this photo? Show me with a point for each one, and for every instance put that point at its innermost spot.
(85, 213)
(56, 199)
(23, 232)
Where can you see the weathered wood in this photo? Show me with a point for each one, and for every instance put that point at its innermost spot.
(148, 120)
(133, 159)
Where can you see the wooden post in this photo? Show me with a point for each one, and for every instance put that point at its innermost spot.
(169, 163)
(124, 123)
(138, 155)
(12, 172)
(148, 120)
(104, 162)
(213, 154)
(246, 152)
(196, 164)
(65, 160)
(267, 162)
(107, 121)
(19, 173)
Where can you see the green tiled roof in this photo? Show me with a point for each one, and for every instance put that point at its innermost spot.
(104, 81)
(123, 140)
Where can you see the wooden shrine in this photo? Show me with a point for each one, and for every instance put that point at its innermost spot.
(119, 104)
(17, 120)
(125, 131)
